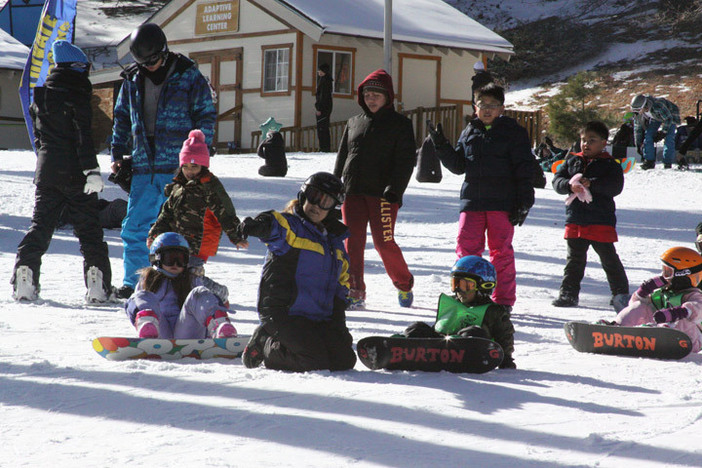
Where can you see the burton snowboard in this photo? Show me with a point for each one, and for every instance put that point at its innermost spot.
(453, 354)
(122, 349)
(648, 342)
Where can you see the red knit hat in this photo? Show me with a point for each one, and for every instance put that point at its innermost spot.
(195, 150)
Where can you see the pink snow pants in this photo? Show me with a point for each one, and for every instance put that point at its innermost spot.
(472, 226)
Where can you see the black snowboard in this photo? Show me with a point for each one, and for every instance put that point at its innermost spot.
(648, 342)
(452, 354)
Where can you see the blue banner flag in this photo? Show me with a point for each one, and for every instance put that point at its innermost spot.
(56, 22)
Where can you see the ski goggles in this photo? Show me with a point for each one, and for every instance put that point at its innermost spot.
(151, 61)
(319, 198)
(174, 258)
(459, 283)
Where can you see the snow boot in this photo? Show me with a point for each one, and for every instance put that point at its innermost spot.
(405, 298)
(146, 324)
(95, 293)
(23, 288)
(219, 325)
(253, 353)
(619, 301)
(125, 292)
(648, 164)
(565, 300)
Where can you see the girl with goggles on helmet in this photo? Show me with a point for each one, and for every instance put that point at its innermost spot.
(471, 311)
(304, 283)
(170, 302)
(672, 299)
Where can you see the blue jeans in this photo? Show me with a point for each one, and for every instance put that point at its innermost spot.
(649, 150)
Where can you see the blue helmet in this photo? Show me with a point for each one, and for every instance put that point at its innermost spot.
(477, 268)
(167, 241)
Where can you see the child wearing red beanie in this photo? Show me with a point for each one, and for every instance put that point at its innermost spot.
(198, 207)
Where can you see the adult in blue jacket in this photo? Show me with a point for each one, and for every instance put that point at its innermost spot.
(163, 97)
(304, 283)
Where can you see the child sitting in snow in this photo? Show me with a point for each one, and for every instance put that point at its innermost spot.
(591, 179)
(198, 208)
(471, 311)
(170, 302)
(672, 299)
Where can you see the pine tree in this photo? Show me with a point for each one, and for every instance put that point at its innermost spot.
(568, 110)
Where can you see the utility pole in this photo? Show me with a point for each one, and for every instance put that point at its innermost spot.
(387, 37)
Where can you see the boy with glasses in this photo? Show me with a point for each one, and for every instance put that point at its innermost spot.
(495, 155)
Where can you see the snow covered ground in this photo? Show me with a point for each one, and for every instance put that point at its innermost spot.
(63, 405)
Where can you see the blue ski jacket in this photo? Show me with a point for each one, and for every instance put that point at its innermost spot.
(185, 103)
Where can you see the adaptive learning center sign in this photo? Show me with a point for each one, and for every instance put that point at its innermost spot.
(217, 17)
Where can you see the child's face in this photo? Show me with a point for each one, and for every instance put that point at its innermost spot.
(190, 170)
(591, 144)
(466, 297)
(488, 109)
(314, 212)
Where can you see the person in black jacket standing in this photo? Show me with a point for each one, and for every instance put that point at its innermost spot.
(323, 105)
(495, 155)
(376, 158)
(67, 175)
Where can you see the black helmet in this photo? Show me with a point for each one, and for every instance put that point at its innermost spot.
(148, 43)
(324, 182)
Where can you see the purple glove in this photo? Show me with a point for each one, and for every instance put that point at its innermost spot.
(650, 285)
(672, 314)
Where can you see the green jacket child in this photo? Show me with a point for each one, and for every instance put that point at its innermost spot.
(471, 312)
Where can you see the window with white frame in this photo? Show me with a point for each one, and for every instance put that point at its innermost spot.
(276, 70)
(340, 66)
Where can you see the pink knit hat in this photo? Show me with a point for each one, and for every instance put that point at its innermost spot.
(195, 150)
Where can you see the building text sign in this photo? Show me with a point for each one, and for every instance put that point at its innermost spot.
(217, 17)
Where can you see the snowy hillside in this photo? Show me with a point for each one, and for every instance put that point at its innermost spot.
(62, 405)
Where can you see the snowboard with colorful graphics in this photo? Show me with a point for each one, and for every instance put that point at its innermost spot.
(122, 349)
(626, 163)
(645, 341)
(453, 354)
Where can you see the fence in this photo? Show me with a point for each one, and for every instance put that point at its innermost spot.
(305, 138)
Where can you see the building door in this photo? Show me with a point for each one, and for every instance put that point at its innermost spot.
(418, 81)
(223, 68)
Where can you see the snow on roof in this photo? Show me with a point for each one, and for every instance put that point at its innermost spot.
(14, 53)
(420, 21)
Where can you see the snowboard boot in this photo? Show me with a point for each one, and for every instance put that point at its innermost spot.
(619, 301)
(565, 299)
(405, 298)
(95, 293)
(146, 324)
(219, 325)
(648, 164)
(23, 288)
(125, 292)
(253, 353)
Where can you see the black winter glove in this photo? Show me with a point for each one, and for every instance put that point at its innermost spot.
(437, 134)
(254, 227)
(390, 196)
(518, 215)
(659, 136)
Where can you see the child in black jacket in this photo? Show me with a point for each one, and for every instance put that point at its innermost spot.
(591, 178)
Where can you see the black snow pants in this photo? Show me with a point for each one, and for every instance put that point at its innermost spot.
(299, 344)
(84, 213)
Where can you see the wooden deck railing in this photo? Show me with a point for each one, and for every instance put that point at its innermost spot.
(305, 138)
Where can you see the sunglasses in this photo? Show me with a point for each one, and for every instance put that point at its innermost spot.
(151, 61)
(319, 198)
(469, 284)
(174, 258)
